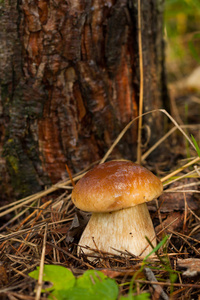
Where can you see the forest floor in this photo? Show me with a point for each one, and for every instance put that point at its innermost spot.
(44, 228)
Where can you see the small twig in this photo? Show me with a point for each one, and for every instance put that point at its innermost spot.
(95, 244)
(150, 276)
(185, 240)
(34, 221)
(186, 236)
(193, 214)
(43, 206)
(192, 285)
(70, 255)
(185, 212)
(164, 228)
(70, 175)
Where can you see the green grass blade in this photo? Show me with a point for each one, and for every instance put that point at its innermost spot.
(196, 145)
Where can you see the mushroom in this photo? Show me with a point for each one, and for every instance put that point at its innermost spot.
(116, 193)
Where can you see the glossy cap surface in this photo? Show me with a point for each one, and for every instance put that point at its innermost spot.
(115, 185)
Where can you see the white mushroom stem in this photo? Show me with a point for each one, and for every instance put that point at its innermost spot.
(122, 230)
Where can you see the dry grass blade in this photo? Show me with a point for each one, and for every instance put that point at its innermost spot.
(132, 121)
(141, 83)
(182, 186)
(194, 161)
(183, 191)
(19, 233)
(179, 127)
(172, 130)
(23, 297)
(17, 216)
(191, 173)
(18, 202)
(29, 199)
(40, 278)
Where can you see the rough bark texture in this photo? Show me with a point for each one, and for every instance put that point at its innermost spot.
(69, 81)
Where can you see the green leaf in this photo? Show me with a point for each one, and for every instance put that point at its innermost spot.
(75, 294)
(60, 277)
(98, 285)
(89, 278)
(106, 290)
(144, 296)
(196, 145)
(91, 285)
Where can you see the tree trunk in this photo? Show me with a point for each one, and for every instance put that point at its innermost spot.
(69, 74)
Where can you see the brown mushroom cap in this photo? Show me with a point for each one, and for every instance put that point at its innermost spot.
(115, 185)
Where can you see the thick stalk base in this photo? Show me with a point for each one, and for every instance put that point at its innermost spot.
(121, 230)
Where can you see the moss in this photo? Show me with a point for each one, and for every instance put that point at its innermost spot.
(24, 178)
(14, 163)
(21, 150)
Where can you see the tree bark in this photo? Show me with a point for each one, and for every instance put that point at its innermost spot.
(69, 80)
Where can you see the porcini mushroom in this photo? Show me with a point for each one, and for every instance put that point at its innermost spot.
(116, 193)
